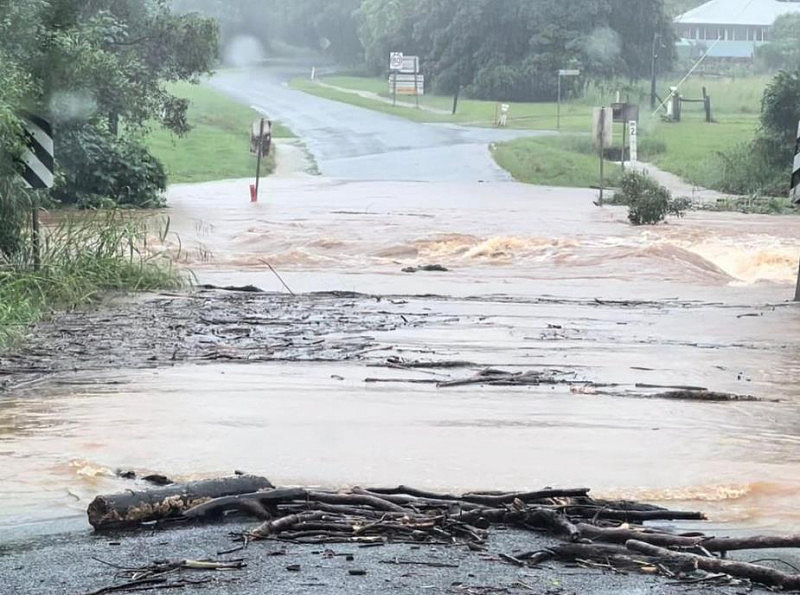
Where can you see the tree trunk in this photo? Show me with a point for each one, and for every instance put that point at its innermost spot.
(132, 508)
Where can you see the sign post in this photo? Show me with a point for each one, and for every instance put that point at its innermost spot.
(795, 194)
(260, 142)
(633, 132)
(562, 73)
(602, 127)
(37, 167)
(396, 60)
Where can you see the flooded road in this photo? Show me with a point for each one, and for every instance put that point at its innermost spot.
(537, 279)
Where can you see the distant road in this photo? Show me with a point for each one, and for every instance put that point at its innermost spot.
(354, 143)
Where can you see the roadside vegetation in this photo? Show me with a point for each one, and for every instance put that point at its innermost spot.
(217, 144)
(84, 255)
(102, 73)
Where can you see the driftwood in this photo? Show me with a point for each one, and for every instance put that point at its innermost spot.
(132, 508)
(753, 572)
(589, 529)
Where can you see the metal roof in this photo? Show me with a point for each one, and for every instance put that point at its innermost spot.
(738, 12)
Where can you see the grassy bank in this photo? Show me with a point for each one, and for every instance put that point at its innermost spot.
(218, 146)
(690, 149)
(83, 254)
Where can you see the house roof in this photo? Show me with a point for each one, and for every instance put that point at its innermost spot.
(739, 12)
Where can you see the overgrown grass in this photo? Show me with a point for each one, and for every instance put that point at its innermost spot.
(83, 255)
(218, 147)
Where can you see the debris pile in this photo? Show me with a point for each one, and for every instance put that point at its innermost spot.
(596, 533)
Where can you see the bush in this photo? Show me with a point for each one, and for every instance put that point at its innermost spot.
(648, 202)
(97, 169)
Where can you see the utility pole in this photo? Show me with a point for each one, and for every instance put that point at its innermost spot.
(656, 43)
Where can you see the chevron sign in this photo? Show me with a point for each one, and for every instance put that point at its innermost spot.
(37, 163)
(795, 196)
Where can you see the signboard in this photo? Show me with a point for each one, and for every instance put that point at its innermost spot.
(602, 126)
(37, 163)
(569, 72)
(633, 130)
(407, 84)
(795, 195)
(625, 112)
(260, 137)
(396, 61)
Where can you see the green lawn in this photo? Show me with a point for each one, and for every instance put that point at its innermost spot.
(218, 147)
(554, 161)
(690, 149)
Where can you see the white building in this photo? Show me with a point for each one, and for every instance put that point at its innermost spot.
(730, 28)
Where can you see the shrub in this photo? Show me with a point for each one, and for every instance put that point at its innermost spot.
(648, 202)
(97, 168)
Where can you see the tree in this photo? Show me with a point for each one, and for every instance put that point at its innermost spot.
(783, 51)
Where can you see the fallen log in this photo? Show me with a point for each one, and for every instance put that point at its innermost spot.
(132, 508)
(256, 503)
(746, 570)
(712, 544)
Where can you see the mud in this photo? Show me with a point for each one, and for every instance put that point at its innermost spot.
(203, 326)
(73, 563)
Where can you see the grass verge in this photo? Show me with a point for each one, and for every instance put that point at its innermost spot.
(83, 255)
(218, 146)
(690, 149)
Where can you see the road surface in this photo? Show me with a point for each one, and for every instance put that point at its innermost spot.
(354, 143)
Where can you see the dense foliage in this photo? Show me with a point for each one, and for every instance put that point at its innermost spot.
(96, 69)
(648, 202)
(763, 165)
(783, 50)
(509, 49)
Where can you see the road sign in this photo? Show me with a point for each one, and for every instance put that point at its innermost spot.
(569, 72)
(602, 127)
(633, 130)
(396, 61)
(796, 171)
(407, 84)
(37, 163)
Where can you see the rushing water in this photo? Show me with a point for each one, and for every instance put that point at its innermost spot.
(532, 273)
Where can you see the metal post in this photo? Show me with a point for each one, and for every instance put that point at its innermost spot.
(602, 151)
(656, 38)
(394, 89)
(624, 139)
(558, 107)
(35, 236)
(260, 152)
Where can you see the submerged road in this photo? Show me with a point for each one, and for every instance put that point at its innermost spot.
(355, 143)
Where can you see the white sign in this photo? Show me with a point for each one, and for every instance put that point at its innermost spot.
(795, 195)
(633, 129)
(396, 61)
(569, 72)
(602, 126)
(407, 84)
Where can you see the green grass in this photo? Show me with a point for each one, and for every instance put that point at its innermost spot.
(690, 149)
(83, 255)
(529, 116)
(554, 161)
(218, 147)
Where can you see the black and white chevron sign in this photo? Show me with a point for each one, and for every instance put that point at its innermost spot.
(37, 164)
(796, 170)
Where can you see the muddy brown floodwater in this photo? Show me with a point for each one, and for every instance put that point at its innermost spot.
(538, 280)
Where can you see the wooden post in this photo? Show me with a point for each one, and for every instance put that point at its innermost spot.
(455, 99)
(707, 104)
(36, 235)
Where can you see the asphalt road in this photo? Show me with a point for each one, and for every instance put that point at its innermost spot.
(354, 143)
